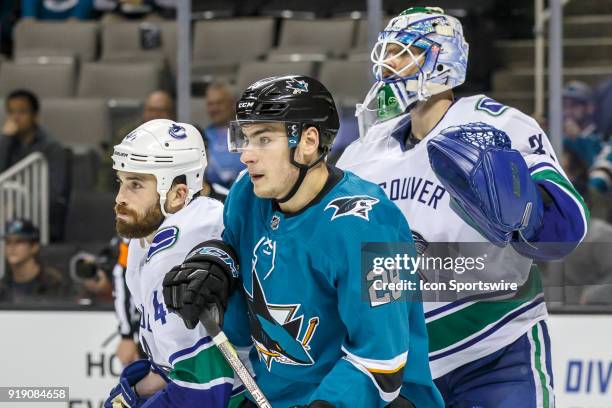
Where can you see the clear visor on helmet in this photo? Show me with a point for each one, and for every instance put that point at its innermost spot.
(397, 55)
(254, 134)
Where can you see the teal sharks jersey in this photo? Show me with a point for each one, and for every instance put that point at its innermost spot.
(318, 333)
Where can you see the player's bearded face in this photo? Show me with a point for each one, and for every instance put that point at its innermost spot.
(137, 208)
(139, 225)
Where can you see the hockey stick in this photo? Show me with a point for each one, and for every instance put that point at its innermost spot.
(228, 351)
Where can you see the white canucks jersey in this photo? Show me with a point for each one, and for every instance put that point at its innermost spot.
(188, 357)
(461, 331)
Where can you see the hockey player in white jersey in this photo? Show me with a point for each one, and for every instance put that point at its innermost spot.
(468, 170)
(160, 166)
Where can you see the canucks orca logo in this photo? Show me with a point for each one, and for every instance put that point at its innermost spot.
(177, 132)
(131, 136)
(359, 206)
(297, 86)
(490, 106)
(163, 239)
(275, 328)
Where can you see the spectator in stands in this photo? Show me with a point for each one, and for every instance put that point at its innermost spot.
(57, 9)
(588, 266)
(600, 174)
(158, 105)
(92, 279)
(22, 136)
(575, 168)
(28, 279)
(223, 166)
(579, 130)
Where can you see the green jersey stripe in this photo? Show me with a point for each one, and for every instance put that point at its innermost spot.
(204, 367)
(557, 178)
(538, 366)
(466, 322)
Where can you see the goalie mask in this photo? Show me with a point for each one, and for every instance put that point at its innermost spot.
(432, 43)
(167, 150)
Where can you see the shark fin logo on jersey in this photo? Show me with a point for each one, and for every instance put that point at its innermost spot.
(177, 132)
(359, 206)
(275, 328)
(297, 86)
(164, 238)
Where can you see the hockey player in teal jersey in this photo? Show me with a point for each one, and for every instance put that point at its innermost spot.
(320, 337)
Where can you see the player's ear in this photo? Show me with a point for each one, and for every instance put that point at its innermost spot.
(309, 143)
(176, 198)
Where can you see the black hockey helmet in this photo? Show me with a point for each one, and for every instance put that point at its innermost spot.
(297, 101)
(292, 99)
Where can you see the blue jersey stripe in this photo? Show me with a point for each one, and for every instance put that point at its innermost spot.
(188, 350)
(542, 165)
(173, 395)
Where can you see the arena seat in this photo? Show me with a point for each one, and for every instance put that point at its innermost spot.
(81, 226)
(252, 71)
(133, 41)
(33, 37)
(348, 81)
(81, 123)
(45, 80)
(119, 80)
(220, 45)
(331, 37)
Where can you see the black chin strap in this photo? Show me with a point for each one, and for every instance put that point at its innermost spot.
(303, 170)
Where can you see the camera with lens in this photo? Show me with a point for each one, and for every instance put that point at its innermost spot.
(85, 265)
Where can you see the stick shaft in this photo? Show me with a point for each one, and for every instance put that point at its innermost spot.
(228, 351)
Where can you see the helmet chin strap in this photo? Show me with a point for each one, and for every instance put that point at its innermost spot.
(301, 176)
(162, 204)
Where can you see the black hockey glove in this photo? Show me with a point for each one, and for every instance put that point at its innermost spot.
(203, 282)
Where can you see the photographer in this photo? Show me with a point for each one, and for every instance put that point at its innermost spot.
(92, 274)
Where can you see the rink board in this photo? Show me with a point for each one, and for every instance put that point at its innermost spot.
(76, 349)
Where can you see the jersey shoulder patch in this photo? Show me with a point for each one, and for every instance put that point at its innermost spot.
(358, 206)
(490, 106)
(164, 238)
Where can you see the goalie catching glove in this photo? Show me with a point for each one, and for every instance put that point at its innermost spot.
(488, 182)
(204, 281)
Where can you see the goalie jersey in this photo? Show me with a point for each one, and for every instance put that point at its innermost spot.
(316, 336)
(463, 331)
(196, 372)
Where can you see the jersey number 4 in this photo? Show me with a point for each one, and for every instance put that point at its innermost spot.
(159, 313)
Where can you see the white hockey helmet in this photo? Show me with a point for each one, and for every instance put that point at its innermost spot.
(167, 150)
